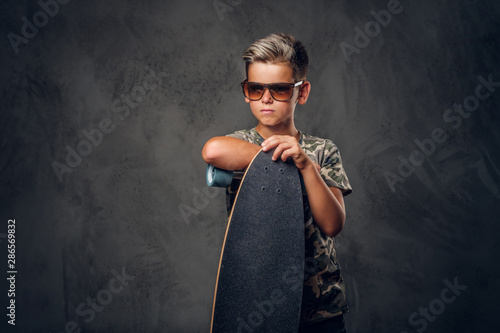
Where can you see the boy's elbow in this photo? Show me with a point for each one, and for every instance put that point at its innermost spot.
(335, 228)
(332, 232)
(211, 151)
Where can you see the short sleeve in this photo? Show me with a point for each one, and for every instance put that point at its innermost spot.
(248, 135)
(239, 135)
(332, 170)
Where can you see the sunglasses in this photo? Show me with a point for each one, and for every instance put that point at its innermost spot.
(280, 92)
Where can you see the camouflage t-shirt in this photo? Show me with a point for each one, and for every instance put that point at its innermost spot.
(324, 292)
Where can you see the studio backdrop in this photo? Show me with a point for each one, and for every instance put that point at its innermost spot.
(107, 225)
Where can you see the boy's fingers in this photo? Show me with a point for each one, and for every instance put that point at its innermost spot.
(280, 149)
(293, 152)
(276, 139)
(285, 146)
(271, 139)
(285, 155)
(268, 140)
(289, 152)
(270, 143)
(267, 144)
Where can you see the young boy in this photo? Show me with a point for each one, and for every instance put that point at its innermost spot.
(276, 68)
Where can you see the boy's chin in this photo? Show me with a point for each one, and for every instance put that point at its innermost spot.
(268, 123)
(271, 124)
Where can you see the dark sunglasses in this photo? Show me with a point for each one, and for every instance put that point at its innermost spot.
(281, 92)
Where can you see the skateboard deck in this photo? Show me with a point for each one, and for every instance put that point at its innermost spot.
(260, 277)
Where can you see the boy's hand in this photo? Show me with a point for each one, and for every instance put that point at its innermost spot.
(287, 146)
(327, 204)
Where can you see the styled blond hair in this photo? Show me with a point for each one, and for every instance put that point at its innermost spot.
(279, 48)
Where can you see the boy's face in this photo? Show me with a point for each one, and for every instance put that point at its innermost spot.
(268, 111)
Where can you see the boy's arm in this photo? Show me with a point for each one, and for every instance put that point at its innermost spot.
(327, 203)
(229, 153)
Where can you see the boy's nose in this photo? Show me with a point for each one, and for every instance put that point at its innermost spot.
(267, 98)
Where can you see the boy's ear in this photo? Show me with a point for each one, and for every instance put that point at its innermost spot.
(304, 91)
(247, 100)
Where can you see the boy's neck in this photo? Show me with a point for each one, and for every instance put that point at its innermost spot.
(268, 131)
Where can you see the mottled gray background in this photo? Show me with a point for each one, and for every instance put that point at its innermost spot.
(120, 208)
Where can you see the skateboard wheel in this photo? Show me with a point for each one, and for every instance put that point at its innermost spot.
(218, 177)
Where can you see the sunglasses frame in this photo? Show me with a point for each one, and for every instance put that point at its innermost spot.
(268, 85)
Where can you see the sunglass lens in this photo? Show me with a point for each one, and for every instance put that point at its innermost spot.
(254, 90)
(281, 92)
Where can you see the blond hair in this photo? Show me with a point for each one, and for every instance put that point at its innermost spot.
(279, 48)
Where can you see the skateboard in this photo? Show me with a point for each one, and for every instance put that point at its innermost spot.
(261, 270)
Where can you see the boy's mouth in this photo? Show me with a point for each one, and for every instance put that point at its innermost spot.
(266, 111)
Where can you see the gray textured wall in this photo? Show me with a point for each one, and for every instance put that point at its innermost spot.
(118, 210)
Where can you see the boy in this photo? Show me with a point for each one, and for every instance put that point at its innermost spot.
(276, 69)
